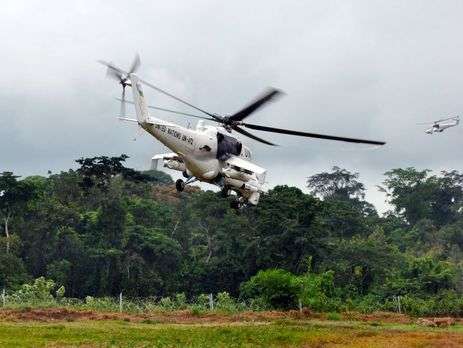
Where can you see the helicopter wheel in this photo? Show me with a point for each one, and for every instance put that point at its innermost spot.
(235, 204)
(238, 204)
(180, 185)
(224, 192)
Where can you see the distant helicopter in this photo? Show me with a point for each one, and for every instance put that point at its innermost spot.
(208, 153)
(440, 125)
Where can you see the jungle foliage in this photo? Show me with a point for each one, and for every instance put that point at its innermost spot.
(105, 228)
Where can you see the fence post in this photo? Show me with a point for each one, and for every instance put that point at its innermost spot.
(211, 302)
(300, 306)
(3, 297)
(120, 302)
(398, 302)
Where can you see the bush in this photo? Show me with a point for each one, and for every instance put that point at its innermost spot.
(318, 291)
(202, 301)
(166, 303)
(226, 303)
(41, 292)
(101, 303)
(445, 303)
(333, 316)
(274, 288)
(180, 301)
(365, 304)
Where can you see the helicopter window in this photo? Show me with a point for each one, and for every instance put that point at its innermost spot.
(227, 146)
(238, 169)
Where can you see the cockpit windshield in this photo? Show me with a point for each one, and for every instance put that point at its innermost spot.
(227, 146)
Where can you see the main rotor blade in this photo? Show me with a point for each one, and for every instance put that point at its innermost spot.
(252, 136)
(271, 94)
(441, 120)
(446, 119)
(182, 113)
(173, 111)
(112, 71)
(216, 117)
(312, 135)
(135, 64)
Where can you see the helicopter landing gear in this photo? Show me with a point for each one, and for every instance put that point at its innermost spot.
(180, 185)
(237, 204)
(224, 192)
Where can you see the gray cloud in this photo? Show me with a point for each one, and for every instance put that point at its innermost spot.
(371, 69)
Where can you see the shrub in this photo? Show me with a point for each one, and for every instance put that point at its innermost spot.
(202, 301)
(366, 304)
(180, 301)
(275, 288)
(226, 303)
(101, 303)
(318, 291)
(333, 316)
(41, 291)
(166, 303)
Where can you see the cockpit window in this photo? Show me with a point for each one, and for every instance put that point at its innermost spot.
(227, 146)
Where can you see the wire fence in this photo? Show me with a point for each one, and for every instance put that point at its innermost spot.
(204, 302)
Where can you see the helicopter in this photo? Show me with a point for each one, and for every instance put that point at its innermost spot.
(440, 125)
(207, 153)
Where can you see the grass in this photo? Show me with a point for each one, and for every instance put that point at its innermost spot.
(291, 333)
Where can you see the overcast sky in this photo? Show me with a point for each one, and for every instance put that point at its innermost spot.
(369, 69)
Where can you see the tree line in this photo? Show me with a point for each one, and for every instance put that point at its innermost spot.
(105, 228)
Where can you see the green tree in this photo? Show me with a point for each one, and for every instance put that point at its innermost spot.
(14, 195)
(361, 263)
(345, 212)
(339, 184)
(416, 195)
(421, 277)
(285, 230)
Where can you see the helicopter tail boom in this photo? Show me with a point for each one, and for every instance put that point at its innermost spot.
(139, 100)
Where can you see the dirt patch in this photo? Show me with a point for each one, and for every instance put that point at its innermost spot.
(184, 316)
(187, 317)
(384, 317)
(53, 314)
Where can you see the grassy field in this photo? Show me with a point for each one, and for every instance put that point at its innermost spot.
(125, 332)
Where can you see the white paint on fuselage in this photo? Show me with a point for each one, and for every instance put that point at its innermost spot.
(190, 145)
(197, 147)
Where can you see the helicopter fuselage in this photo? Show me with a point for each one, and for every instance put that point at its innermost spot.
(198, 148)
(439, 127)
(206, 153)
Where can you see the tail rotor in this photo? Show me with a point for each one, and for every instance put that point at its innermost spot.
(122, 77)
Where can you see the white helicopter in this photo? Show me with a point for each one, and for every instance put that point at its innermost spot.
(207, 153)
(440, 125)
